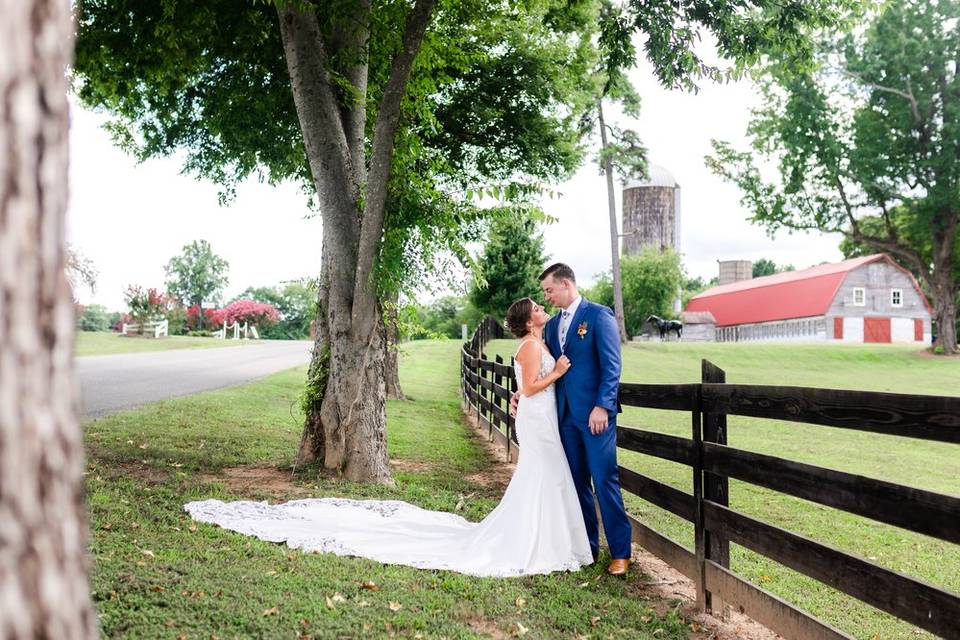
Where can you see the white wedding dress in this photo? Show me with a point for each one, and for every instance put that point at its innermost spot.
(537, 527)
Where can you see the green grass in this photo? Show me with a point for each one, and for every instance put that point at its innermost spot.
(927, 465)
(158, 575)
(90, 343)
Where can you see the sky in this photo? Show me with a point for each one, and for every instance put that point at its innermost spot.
(131, 218)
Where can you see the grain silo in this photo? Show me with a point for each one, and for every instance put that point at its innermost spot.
(651, 212)
(735, 270)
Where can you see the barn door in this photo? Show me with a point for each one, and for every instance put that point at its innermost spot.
(876, 329)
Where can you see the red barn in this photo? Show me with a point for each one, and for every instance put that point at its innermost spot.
(867, 299)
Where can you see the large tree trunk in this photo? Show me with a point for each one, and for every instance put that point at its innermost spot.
(943, 287)
(346, 417)
(614, 236)
(44, 589)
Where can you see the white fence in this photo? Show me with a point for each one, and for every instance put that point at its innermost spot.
(249, 331)
(156, 327)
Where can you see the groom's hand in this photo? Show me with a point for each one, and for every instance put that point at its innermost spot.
(514, 401)
(598, 420)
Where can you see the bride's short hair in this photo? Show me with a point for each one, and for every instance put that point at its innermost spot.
(517, 316)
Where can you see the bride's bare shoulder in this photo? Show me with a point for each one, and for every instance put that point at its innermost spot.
(524, 349)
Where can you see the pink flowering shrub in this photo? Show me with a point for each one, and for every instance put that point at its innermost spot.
(211, 317)
(257, 313)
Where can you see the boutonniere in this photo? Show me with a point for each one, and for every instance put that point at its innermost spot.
(582, 330)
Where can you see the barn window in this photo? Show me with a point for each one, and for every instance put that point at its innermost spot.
(896, 297)
(859, 296)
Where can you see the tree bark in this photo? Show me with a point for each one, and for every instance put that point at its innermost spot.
(44, 588)
(614, 236)
(392, 362)
(345, 401)
(942, 285)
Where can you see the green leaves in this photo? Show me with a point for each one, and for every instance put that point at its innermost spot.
(511, 261)
(197, 274)
(651, 282)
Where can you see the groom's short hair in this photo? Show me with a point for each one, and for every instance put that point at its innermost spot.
(559, 271)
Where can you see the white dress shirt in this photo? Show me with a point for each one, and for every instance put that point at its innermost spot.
(566, 317)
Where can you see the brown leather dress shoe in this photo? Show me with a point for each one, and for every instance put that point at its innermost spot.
(618, 567)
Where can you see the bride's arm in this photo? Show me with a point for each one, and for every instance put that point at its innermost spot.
(529, 359)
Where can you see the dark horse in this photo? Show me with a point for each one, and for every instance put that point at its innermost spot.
(666, 326)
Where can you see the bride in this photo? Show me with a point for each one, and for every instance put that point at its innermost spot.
(537, 527)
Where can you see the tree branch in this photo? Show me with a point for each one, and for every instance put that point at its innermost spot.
(388, 119)
(323, 134)
(355, 40)
(907, 95)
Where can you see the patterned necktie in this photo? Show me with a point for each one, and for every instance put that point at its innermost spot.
(564, 321)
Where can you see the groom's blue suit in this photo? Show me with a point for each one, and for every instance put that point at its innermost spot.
(593, 346)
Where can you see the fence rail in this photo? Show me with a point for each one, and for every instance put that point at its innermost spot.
(487, 386)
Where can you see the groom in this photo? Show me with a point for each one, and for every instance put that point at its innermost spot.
(587, 407)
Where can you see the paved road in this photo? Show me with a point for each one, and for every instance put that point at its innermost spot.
(111, 383)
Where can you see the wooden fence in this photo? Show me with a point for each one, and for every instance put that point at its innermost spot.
(487, 386)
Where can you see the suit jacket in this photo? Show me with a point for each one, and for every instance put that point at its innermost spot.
(593, 346)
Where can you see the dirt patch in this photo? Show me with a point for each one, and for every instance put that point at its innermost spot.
(409, 466)
(254, 480)
(482, 626)
(666, 588)
(138, 471)
(496, 475)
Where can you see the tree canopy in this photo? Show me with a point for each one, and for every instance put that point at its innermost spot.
(512, 259)
(197, 274)
(651, 282)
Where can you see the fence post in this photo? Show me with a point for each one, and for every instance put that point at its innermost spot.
(498, 381)
(699, 538)
(463, 375)
(715, 488)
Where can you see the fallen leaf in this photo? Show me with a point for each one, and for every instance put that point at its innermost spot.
(148, 552)
(272, 611)
(135, 525)
(594, 621)
(106, 526)
(520, 602)
(369, 586)
(158, 589)
(170, 624)
(337, 597)
(304, 622)
(362, 603)
(521, 630)
(143, 446)
(193, 528)
(584, 584)
(395, 606)
(329, 603)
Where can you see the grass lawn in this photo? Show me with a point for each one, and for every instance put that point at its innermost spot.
(156, 574)
(90, 343)
(927, 465)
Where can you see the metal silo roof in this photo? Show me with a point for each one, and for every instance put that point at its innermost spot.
(659, 177)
